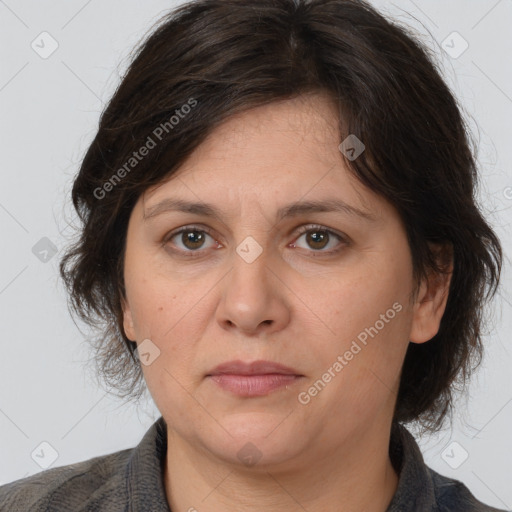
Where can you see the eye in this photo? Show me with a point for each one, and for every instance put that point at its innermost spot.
(188, 239)
(192, 239)
(319, 237)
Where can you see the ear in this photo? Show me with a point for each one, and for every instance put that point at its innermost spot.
(129, 329)
(432, 297)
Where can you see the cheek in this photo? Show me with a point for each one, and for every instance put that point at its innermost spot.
(156, 298)
(172, 315)
(366, 373)
(165, 322)
(352, 300)
(368, 317)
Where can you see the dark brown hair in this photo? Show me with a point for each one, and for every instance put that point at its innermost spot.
(220, 57)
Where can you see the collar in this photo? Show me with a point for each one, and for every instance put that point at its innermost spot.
(145, 470)
(415, 490)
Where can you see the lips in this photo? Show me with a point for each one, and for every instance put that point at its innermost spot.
(254, 379)
(255, 368)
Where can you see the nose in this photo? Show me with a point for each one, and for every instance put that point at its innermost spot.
(254, 298)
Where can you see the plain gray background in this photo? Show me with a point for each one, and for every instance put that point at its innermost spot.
(50, 105)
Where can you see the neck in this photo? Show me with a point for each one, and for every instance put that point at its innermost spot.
(357, 473)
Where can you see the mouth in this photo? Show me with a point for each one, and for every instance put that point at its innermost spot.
(258, 378)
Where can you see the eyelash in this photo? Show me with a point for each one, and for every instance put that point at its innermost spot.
(304, 229)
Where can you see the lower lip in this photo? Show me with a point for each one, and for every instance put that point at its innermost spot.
(253, 385)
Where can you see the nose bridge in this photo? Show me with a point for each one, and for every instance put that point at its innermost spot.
(250, 263)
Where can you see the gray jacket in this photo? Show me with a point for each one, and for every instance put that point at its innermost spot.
(132, 480)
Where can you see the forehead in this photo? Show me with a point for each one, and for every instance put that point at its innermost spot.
(277, 153)
(312, 116)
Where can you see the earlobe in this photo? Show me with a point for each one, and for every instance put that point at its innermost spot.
(431, 301)
(128, 321)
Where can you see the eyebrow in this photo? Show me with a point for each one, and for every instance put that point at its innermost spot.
(290, 210)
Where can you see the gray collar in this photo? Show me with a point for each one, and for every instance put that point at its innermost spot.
(420, 489)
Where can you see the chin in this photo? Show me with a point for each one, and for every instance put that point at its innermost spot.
(256, 440)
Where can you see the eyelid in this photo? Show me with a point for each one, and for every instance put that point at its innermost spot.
(189, 227)
(342, 238)
(301, 230)
(320, 227)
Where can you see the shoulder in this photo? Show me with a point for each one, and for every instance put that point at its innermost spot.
(422, 488)
(453, 496)
(72, 487)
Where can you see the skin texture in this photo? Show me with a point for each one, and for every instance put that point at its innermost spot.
(294, 304)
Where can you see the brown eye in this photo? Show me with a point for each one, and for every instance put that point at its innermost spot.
(192, 239)
(188, 240)
(318, 238)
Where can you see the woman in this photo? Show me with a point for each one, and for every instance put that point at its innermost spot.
(278, 228)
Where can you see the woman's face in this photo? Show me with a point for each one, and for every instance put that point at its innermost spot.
(324, 291)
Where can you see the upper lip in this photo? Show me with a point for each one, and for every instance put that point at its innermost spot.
(254, 368)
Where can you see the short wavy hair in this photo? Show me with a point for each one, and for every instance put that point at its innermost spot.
(227, 56)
